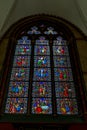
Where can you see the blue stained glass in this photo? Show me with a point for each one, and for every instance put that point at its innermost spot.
(24, 40)
(16, 106)
(67, 106)
(63, 74)
(41, 41)
(23, 50)
(20, 74)
(42, 61)
(42, 74)
(65, 89)
(41, 106)
(18, 89)
(61, 61)
(42, 50)
(34, 30)
(21, 61)
(50, 30)
(60, 50)
(41, 89)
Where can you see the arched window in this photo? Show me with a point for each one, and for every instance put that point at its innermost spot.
(42, 77)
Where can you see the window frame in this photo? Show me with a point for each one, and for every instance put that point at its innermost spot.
(72, 44)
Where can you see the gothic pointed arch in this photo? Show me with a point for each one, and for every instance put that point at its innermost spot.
(42, 76)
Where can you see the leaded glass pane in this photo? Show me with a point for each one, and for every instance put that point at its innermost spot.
(63, 74)
(50, 30)
(34, 30)
(65, 89)
(42, 61)
(24, 40)
(67, 106)
(16, 105)
(41, 89)
(42, 74)
(42, 50)
(61, 61)
(18, 89)
(21, 61)
(23, 50)
(41, 41)
(59, 41)
(20, 74)
(60, 50)
(41, 106)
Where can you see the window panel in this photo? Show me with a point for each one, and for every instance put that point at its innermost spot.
(20, 74)
(65, 89)
(67, 106)
(21, 61)
(42, 61)
(63, 74)
(23, 50)
(42, 41)
(50, 30)
(61, 61)
(60, 50)
(16, 105)
(42, 74)
(18, 89)
(41, 89)
(59, 41)
(41, 50)
(24, 40)
(41, 106)
(34, 30)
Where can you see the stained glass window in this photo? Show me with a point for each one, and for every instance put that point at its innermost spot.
(41, 80)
